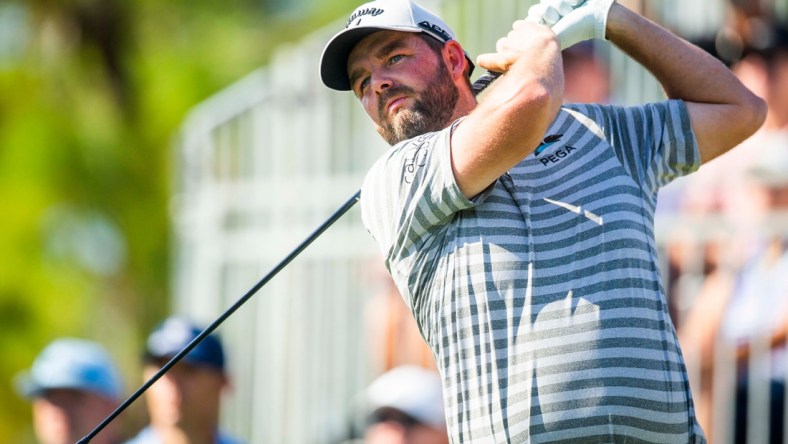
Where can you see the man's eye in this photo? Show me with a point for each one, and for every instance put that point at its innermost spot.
(396, 58)
(363, 85)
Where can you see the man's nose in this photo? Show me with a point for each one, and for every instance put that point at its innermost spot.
(381, 82)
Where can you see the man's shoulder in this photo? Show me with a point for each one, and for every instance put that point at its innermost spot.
(406, 157)
(615, 108)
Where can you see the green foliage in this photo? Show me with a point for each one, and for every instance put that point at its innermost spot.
(91, 95)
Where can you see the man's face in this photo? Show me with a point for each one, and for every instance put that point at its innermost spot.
(187, 396)
(64, 416)
(394, 427)
(402, 84)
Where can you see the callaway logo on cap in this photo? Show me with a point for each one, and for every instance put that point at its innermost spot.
(394, 15)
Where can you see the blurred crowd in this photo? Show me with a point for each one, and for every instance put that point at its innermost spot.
(74, 385)
(725, 235)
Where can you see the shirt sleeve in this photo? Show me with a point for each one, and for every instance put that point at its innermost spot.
(410, 194)
(654, 142)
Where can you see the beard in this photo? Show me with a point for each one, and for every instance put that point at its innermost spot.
(431, 111)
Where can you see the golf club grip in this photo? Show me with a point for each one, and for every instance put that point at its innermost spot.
(484, 81)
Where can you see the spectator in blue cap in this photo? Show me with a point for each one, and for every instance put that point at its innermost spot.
(73, 385)
(184, 405)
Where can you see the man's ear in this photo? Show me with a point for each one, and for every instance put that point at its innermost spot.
(455, 60)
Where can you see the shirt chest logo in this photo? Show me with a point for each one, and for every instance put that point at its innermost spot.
(556, 156)
(416, 157)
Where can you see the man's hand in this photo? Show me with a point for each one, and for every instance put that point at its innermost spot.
(573, 21)
(511, 121)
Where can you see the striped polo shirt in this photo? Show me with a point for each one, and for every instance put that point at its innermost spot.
(541, 298)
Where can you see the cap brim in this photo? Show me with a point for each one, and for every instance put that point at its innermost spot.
(26, 387)
(188, 359)
(333, 62)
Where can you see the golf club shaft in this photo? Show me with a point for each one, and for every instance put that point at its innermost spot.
(478, 86)
(208, 330)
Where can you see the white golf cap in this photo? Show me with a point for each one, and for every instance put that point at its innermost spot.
(394, 15)
(412, 390)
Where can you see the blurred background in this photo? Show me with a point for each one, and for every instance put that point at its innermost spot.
(160, 157)
(91, 96)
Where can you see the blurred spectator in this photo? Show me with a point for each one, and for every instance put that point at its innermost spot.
(764, 70)
(184, 405)
(758, 307)
(755, 44)
(737, 309)
(73, 386)
(763, 67)
(719, 190)
(392, 334)
(586, 76)
(405, 406)
(728, 273)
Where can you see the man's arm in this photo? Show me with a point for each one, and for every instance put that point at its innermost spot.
(723, 112)
(517, 110)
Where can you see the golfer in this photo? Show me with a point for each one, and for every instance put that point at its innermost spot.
(520, 230)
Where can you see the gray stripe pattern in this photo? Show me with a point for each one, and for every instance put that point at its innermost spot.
(541, 298)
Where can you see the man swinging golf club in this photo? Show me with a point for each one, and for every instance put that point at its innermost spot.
(520, 230)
